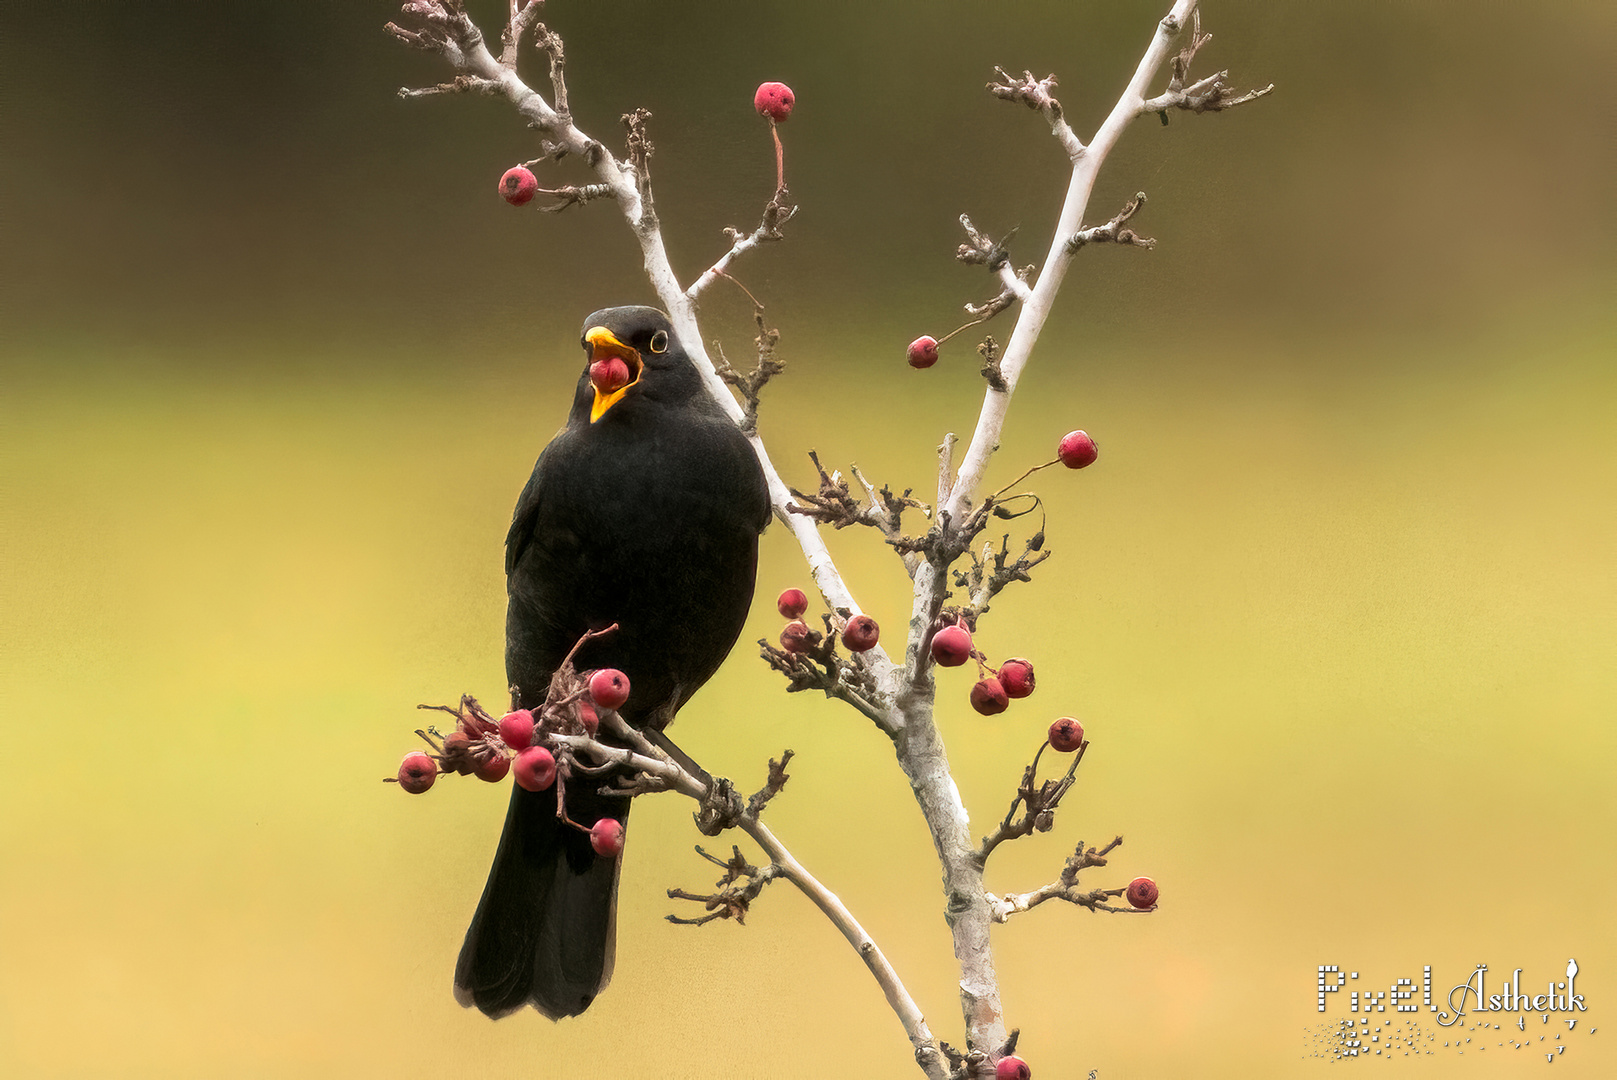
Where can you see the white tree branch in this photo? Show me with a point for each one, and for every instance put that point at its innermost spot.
(904, 709)
(649, 761)
(1086, 166)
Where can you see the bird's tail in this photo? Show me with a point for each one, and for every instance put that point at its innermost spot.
(545, 930)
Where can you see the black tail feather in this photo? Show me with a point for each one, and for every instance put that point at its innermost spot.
(545, 929)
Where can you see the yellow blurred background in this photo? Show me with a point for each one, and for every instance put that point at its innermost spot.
(1336, 604)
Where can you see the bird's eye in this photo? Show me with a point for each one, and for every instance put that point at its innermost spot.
(659, 341)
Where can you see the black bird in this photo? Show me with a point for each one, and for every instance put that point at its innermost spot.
(644, 511)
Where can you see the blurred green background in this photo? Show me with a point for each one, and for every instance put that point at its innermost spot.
(1337, 603)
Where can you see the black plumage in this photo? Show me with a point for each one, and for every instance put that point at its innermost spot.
(644, 511)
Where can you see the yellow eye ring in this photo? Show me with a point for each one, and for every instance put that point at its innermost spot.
(659, 341)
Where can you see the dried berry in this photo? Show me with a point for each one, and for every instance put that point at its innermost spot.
(797, 637)
(861, 633)
(988, 697)
(493, 768)
(1142, 893)
(1066, 735)
(417, 772)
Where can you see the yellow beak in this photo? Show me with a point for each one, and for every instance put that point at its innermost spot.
(603, 346)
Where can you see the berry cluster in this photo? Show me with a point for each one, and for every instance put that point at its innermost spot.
(859, 633)
(997, 686)
(519, 744)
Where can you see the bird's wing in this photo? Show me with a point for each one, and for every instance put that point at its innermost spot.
(523, 518)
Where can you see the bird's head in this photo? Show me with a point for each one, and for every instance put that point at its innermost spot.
(630, 351)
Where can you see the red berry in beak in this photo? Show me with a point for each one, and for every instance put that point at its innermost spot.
(988, 697)
(1012, 1068)
(795, 638)
(792, 603)
(516, 729)
(1066, 735)
(923, 352)
(1142, 893)
(1077, 450)
(535, 769)
(774, 100)
(861, 633)
(609, 375)
(951, 646)
(606, 837)
(417, 772)
(609, 688)
(1016, 676)
(517, 186)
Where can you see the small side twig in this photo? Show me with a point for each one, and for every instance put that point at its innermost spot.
(994, 569)
(1066, 888)
(732, 900)
(523, 15)
(1205, 95)
(1038, 803)
(752, 384)
(638, 158)
(1113, 232)
(1036, 94)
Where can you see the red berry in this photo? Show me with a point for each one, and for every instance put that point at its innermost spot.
(494, 769)
(606, 837)
(774, 100)
(923, 352)
(1012, 1068)
(535, 768)
(609, 687)
(587, 717)
(1077, 449)
(1066, 735)
(796, 637)
(1142, 893)
(609, 375)
(518, 185)
(861, 633)
(1016, 676)
(516, 729)
(417, 772)
(988, 697)
(792, 603)
(951, 646)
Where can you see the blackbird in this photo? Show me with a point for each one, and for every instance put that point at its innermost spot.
(643, 511)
